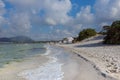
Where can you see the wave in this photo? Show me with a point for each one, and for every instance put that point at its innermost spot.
(52, 70)
(48, 49)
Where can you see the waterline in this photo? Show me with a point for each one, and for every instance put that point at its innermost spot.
(52, 70)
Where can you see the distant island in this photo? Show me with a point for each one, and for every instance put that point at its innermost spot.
(24, 39)
(17, 39)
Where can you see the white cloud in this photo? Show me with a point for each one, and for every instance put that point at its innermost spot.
(107, 10)
(50, 21)
(2, 12)
(31, 13)
(26, 4)
(55, 10)
(2, 4)
(85, 16)
(25, 15)
(84, 19)
(2, 21)
(28, 13)
(19, 23)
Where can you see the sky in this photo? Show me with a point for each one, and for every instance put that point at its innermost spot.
(55, 19)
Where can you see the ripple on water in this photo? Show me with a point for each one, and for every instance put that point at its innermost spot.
(50, 71)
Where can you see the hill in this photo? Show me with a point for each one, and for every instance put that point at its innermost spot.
(17, 39)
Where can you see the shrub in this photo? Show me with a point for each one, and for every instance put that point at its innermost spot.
(104, 30)
(86, 33)
(113, 34)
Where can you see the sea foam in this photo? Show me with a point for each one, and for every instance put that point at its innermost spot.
(49, 71)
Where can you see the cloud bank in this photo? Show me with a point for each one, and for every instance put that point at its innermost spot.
(22, 17)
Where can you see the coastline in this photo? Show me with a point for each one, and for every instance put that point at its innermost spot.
(63, 62)
(51, 70)
(83, 69)
(103, 57)
(13, 69)
(35, 67)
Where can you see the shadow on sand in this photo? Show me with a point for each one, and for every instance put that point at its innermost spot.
(95, 44)
(92, 45)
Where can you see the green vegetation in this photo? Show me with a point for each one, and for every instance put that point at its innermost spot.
(86, 33)
(104, 30)
(113, 33)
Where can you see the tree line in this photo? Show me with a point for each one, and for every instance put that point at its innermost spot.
(112, 33)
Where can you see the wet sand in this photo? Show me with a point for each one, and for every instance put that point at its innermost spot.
(77, 67)
(12, 70)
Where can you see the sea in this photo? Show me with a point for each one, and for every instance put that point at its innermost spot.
(52, 70)
(16, 52)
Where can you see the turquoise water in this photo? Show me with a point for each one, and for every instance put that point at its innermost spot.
(51, 70)
(16, 52)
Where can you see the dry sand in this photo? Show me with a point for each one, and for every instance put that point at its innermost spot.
(104, 58)
(11, 71)
(78, 68)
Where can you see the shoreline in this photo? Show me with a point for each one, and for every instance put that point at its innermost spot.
(51, 70)
(33, 68)
(13, 69)
(78, 68)
(69, 63)
(105, 58)
(99, 72)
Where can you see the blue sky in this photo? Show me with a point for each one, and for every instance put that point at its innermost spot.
(55, 19)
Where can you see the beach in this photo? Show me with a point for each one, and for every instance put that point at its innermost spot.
(105, 58)
(13, 70)
(60, 62)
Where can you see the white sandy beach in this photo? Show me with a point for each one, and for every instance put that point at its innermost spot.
(69, 63)
(78, 68)
(105, 57)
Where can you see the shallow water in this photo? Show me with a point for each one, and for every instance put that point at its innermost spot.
(52, 70)
(62, 65)
(16, 52)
